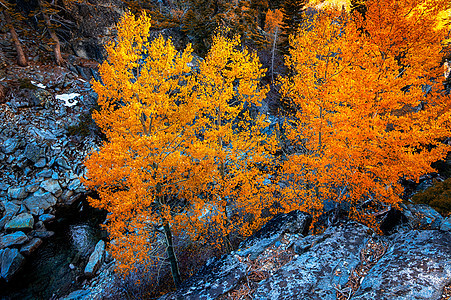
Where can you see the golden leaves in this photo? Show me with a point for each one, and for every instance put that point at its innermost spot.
(361, 117)
(182, 148)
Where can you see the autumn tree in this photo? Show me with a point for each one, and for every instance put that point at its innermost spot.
(183, 150)
(363, 120)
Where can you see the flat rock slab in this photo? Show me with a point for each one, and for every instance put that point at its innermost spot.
(16, 238)
(22, 221)
(214, 279)
(11, 261)
(31, 246)
(39, 202)
(416, 266)
(96, 259)
(52, 186)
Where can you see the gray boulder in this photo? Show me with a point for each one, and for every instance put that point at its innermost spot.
(96, 259)
(11, 262)
(294, 222)
(410, 265)
(422, 216)
(16, 238)
(39, 202)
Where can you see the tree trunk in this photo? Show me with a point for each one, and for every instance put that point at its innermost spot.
(171, 256)
(21, 59)
(57, 46)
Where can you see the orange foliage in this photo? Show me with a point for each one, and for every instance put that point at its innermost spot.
(183, 151)
(362, 119)
(273, 20)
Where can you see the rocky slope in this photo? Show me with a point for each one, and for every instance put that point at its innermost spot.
(346, 261)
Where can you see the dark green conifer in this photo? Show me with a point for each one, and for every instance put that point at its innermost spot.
(293, 18)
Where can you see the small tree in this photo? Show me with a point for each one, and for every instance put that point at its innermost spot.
(180, 146)
(362, 118)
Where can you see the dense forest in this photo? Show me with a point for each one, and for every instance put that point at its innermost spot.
(262, 107)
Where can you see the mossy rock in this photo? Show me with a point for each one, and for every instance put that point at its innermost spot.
(438, 197)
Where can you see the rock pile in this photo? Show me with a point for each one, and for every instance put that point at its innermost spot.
(40, 164)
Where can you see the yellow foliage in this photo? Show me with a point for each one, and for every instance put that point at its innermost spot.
(183, 150)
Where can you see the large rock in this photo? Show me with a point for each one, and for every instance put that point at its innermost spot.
(96, 259)
(11, 262)
(219, 276)
(422, 216)
(311, 274)
(17, 193)
(31, 246)
(10, 145)
(22, 221)
(416, 266)
(16, 238)
(52, 186)
(10, 211)
(39, 202)
(33, 152)
(294, 222)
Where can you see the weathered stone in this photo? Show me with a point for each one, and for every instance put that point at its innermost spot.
(23, 221)
(31, 188)
(74, 184)
(77, 295)
(60, 161)
(40, 97)
(5, 219)
(33, 152)
(16, 238)
(17, 193)
(52, 186)
(66, 195)
(41, 163)
(416, 266)
(294, 222)
(46, 218)
(45, 173)
(11, 208)
(96, 259)
(39, 202)
(10, 145)
(42, 234)
(446, 224)
(310, 275)
(422, 216)
(11, 262)
(31, 246)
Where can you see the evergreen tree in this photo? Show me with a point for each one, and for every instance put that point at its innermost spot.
(293, 17)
